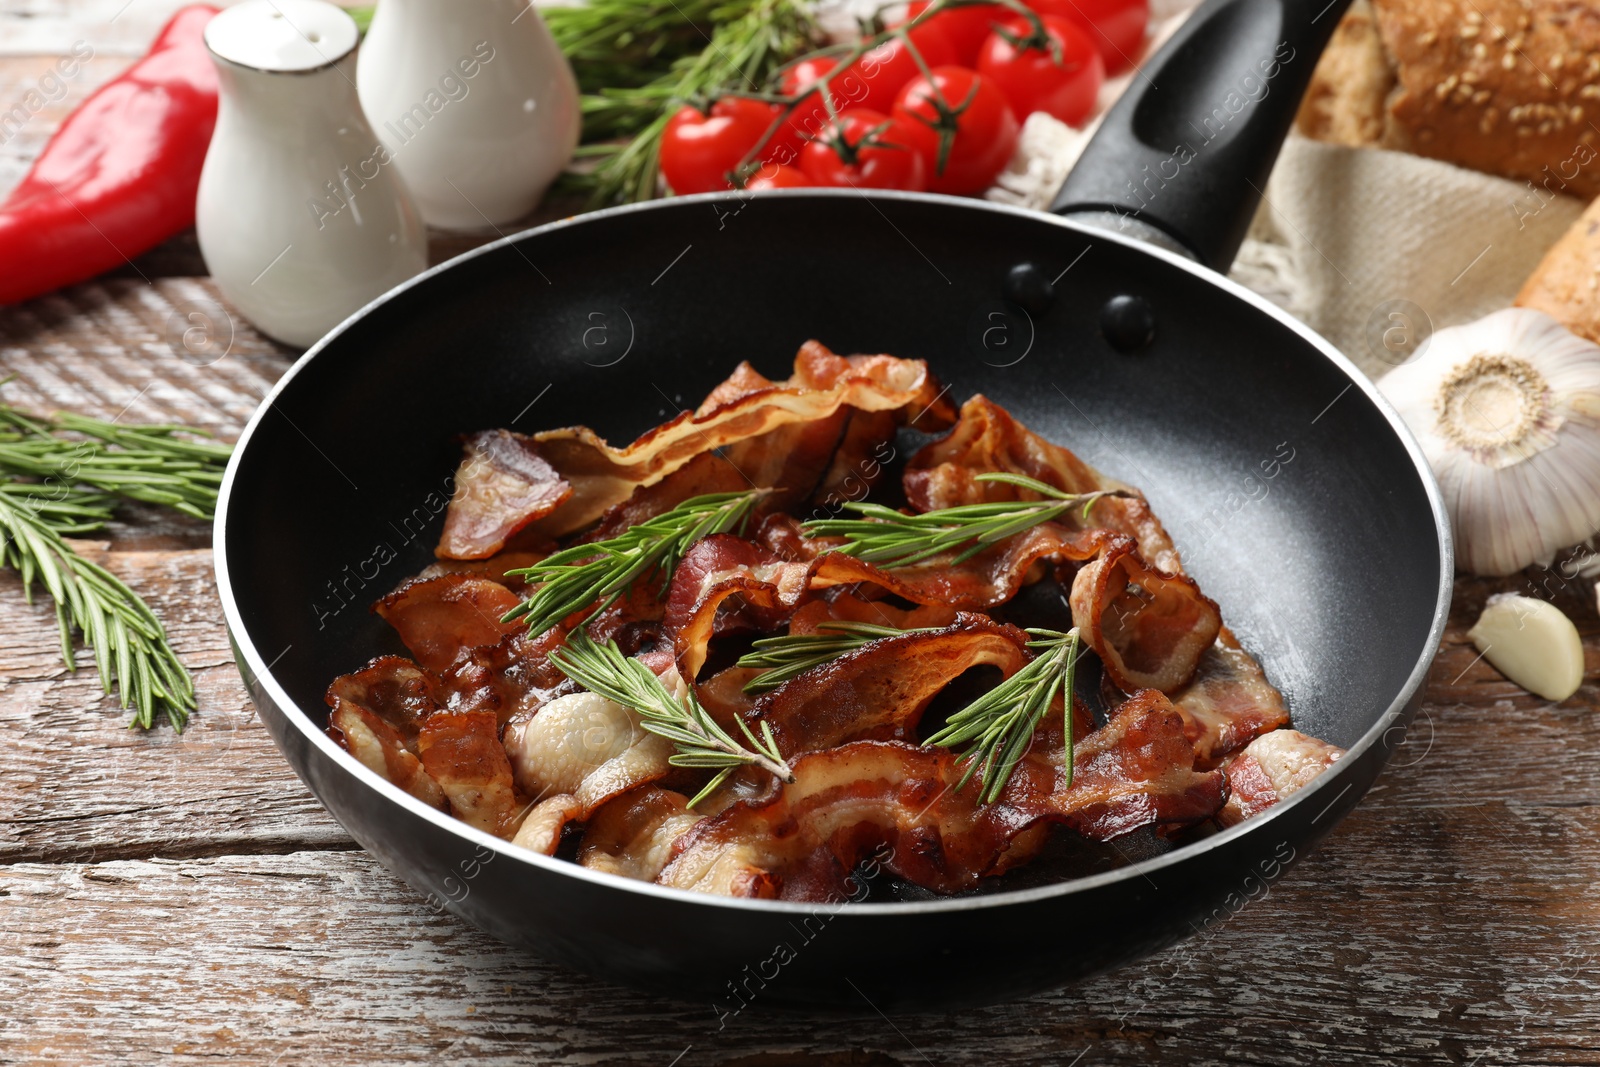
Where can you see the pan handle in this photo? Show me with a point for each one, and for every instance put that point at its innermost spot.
(1183, 157)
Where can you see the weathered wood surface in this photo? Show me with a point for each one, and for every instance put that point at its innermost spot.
(178, 898)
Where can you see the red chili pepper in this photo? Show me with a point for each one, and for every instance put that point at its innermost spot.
(120, 175)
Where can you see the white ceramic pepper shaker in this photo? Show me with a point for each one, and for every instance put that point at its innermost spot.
(475, 103)
(301, 217)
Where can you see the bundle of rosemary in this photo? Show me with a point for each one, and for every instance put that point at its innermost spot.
(62, 478)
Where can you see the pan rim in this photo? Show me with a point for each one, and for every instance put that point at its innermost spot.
(250, 658)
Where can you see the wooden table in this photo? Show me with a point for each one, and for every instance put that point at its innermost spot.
(183, 898)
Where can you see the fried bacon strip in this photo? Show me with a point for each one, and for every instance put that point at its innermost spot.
(879, 691)
(462, 752)
(541, 827)
(1149, 628)
(377, 715)
(1271, 769)
(1229, 703)
(632, 835)
(727, 571)
(598, 476)
(503, 484)
(380, 748)
(987, 440)
(899, 803)
(440, 618)
(512, 678)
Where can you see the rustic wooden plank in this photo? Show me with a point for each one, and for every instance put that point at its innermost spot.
(1408, 948)
(79, 784)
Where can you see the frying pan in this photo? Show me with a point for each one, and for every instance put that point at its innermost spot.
(1296, 495)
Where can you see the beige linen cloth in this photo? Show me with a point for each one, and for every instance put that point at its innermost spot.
(1349, 238)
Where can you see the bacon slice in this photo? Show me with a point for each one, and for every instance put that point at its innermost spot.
(1230, 702)
(632, 835)
(724, 570)
(541, 828)
(1135, 771)
(988, 440)
(441, 618)
(495, 568)
(380, 748)
(585, 746)
(601, 476)
(1149, 628)
(899, 804)
(462, 752)
(992, 577)
(392, 687)
(512, 678)
(502, 485)
(879, 691)
(1271, 769)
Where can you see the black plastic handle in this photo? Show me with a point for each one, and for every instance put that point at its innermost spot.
(1186, 152)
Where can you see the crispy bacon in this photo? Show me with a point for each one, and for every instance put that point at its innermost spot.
(763, 591)
(992, 577)
(987, 440)
(1137, 770)
(632, 835)
(392, 687)
(602, 476)
(496, 568)
(440, 618)
(541, 828)
(1271, 769)
(1229, 703)
(502, 485)
(380, 748)
(1149, 628)
(587, 747)
(512, 678)
(879, 691)
(462, 752)
(899, 804)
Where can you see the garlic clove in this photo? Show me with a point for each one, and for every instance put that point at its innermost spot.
(1532, 643)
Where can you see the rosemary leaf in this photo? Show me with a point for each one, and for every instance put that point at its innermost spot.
(130, 646)
(887, 537)
(997, 728)
(700, 742)
(591, 574)
(791, 655)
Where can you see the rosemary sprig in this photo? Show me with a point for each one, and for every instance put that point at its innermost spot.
(592, 574)
(700, 742)
(61, 478)
(790, 655)
(130, 645)
(998, 727)
(145, 463)
(893, 539)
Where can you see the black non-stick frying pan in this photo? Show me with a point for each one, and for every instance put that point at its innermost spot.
(1298, 500)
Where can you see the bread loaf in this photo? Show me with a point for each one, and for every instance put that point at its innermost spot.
(1566, 284)
(1507, 87)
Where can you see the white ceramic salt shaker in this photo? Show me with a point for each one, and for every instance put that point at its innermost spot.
(475, 103)
(301, 217)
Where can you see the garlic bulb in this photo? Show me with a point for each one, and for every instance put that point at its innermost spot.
(1508, 411)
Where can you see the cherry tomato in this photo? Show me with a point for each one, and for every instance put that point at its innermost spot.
(810, 117)
(1060, 75)
(962, 116)
(1117, 27)
(886, 69)
(775, 176)
(964, 27)
(867, 150)
(699, 150)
